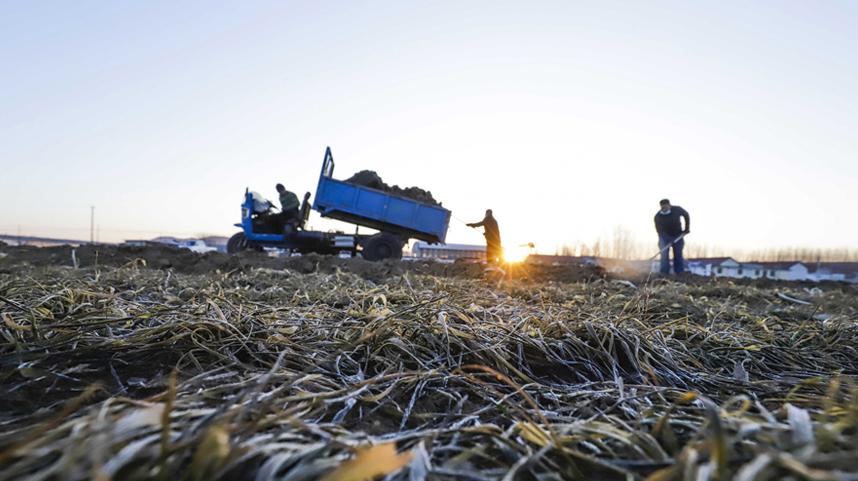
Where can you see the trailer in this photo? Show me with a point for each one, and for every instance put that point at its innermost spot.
(397, 220)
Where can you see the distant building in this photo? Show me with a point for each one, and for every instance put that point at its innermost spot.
(783, 271)
(729, 267)
(424, 250)
(704, 266)
(834, 271)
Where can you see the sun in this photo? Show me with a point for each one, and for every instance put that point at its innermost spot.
(516, 254)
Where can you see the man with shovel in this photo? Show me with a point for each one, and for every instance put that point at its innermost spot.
(670, 234)
(494, 252)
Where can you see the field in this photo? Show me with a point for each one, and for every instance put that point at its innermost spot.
(159, 364)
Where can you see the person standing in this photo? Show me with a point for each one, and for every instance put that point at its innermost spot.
(668, 224)
(494, 252)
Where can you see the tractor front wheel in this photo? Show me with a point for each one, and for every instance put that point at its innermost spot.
(237, 243)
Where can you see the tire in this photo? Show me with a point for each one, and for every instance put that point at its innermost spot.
(382, 246)
(237, 243)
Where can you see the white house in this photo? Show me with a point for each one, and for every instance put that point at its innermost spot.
(725, 267)
(733, 268)
(729, 267)
(704, 266)
(834, 271)
(826, 274)
(785, 271)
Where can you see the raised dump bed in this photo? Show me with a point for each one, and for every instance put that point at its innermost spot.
(377, 209)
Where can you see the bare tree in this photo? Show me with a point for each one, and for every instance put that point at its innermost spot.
(622, 245)
(564, 250)
(800, 254)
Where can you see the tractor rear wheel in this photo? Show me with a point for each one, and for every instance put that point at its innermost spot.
(382, 246)
(237, 243)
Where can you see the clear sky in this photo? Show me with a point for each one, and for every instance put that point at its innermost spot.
(567, 118)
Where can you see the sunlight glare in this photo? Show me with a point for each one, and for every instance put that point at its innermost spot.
(516, 254)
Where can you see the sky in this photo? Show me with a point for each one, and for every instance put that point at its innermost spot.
(567, 118)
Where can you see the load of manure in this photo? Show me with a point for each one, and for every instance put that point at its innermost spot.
(369, 178)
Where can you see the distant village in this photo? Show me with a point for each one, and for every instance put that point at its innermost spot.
(708, 266)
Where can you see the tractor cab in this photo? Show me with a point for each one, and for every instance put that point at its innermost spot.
(263, 225)
(260, 216)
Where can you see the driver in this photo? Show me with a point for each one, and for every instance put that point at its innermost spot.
(288, 203)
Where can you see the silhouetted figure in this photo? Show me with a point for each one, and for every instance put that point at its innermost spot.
(668, 224)
(494, 252)
(289, 205)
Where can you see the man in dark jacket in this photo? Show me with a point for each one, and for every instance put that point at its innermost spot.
(668, 224)
(288, 202)
(494, 252)
(289, 206)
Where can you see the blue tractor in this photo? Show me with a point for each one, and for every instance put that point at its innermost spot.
(397, 219)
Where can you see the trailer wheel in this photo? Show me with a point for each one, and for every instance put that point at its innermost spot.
(236, 243)
(382, 246)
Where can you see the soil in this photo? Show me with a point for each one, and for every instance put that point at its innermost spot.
(371, 179)
(184, 261)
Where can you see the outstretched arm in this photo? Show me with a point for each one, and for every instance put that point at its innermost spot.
(478, 224)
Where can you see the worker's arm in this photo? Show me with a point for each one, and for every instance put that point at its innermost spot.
(684, 214)
(478, 224)
(655, 221)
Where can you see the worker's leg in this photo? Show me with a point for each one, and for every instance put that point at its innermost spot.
(493, 253)
(665, 255)
(678, 261)
(289, 219)
(289, 215)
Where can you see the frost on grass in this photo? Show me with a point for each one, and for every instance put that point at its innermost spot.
(130, 373)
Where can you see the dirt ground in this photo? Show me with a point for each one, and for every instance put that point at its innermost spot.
(184, 261)
(275, 366)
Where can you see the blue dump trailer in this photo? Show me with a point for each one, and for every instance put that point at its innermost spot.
(397, 219)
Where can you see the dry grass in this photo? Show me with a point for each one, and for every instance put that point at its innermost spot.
(133, 374)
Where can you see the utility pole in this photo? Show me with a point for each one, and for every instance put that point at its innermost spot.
(92, 224)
